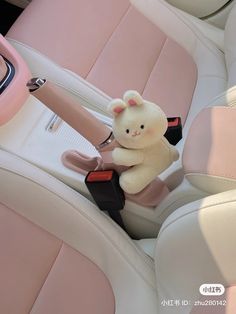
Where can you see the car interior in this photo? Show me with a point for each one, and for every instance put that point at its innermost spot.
(72, 240)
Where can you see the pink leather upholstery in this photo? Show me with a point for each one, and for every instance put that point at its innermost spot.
(208, 149)
(3, 68)
(13, 97)
(72, 37)
(41, 274)
(139, 56)
(114, 47)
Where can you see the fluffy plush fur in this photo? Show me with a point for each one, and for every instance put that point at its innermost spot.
(139, 126)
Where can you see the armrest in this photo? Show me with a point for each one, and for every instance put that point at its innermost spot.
(209, 157)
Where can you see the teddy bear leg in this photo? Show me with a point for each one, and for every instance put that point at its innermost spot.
(136, 179)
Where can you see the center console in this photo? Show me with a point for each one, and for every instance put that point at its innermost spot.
(36, 134)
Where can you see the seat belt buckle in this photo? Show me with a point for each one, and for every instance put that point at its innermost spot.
(174, 131)
(105, 189)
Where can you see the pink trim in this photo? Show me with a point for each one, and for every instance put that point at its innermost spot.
(15, 95)
(209, 148)
(3, 68)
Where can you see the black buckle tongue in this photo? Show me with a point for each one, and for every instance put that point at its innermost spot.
(106, 191)
(174, 131)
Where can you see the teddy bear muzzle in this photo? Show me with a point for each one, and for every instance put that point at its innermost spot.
(135, 133)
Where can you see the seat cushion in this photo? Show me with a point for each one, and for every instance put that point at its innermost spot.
(112, 46)
(70, 218)
(44, 275)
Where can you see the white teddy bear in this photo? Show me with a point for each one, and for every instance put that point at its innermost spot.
(139, 127)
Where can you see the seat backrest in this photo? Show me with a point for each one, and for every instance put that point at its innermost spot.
(196, 243)
(196, 246)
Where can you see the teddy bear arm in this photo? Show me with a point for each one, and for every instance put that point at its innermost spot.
(127, 157)
(136, 178)
(174, 154)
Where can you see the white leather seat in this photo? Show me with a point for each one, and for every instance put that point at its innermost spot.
(61, 255)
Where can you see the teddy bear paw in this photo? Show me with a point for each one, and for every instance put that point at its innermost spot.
(128, 185)
(116, 156)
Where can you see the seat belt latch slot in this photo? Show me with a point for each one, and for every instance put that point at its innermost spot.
(105, 189)
(174, 131)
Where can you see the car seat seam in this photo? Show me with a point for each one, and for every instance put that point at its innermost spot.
(155, 64)
(147, 260)
(189, 25)
(108, 40)
(43, 283)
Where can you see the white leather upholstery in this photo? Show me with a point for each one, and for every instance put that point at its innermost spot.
(226, 98)
(196, 246)
(19, 3)
(147, 245)
(79, 88)
(66, 214)
(212, 75)
(230, 47)
(211, 32)
(199, 8)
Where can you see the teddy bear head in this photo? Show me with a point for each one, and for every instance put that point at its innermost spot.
(137, 123)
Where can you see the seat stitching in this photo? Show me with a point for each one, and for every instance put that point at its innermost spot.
(108, 40)
(76, 76)
(46, 277)
(60, 68)
(212, 75)
(189, 25)
(71, 73)
(146, 260)
(156, 62)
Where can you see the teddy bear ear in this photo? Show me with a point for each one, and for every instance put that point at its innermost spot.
(133, 98)
(116, 106)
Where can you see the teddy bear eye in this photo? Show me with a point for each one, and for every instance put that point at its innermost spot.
(127, 131)
(142, 126)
